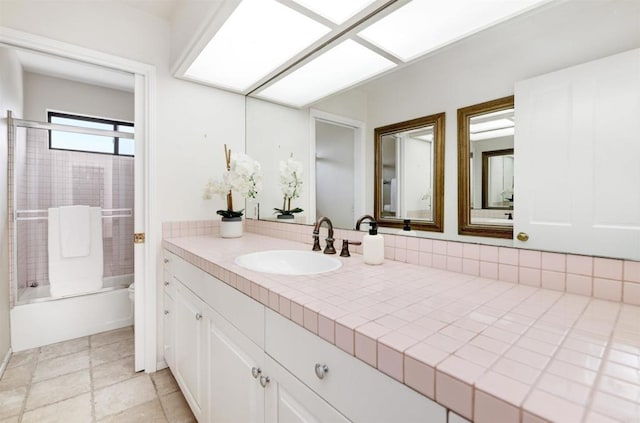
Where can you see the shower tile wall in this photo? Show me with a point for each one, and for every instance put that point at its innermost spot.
(54, 178)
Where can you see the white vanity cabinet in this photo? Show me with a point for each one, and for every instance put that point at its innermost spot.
(236, 361)
(577, 178)
(190, 348)
(360, 392)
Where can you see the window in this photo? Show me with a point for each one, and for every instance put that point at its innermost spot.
(72, 141)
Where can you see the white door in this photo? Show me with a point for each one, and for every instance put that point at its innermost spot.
(140, 224)
(290, 401)
(190, 348)
(169, 330)
(577, 180)
(235, 367)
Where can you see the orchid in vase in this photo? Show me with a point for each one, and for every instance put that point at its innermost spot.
(242, 175)
(290, 185)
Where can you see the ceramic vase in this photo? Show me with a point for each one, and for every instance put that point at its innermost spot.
(231, 227)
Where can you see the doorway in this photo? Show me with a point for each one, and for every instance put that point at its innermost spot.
(338, 168)
(143, 77)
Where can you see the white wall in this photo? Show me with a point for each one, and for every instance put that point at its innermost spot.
(10, 99)
(193, 121)
(42, 93)
(486, 67)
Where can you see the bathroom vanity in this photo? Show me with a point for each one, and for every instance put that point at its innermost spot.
(396, 342)
(237, 360)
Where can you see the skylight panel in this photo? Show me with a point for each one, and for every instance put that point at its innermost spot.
(345, 64)
(422, 26)
(257, 38)
(337, 11)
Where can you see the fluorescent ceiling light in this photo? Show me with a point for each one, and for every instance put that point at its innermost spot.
(422, 26)
(498, 133)
(490, 125)
(337, 11)
(257, 38)
(345, 64)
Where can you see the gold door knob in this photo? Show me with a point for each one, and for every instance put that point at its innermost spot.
(523, 236)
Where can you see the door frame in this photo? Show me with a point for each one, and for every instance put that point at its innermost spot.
(145, 120)
(358, 127)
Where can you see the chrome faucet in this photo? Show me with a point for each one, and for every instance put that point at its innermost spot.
(329, 248)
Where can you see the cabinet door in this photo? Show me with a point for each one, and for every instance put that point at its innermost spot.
(189, 352)
(235, 367)
(577, 148)
(290, 401)
(169, 330)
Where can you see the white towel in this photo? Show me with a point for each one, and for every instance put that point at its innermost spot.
(76, 275)
(75, 231)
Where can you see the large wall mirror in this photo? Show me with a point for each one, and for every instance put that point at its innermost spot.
(485, 169)
(409, 173)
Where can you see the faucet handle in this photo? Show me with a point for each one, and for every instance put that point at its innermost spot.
(345, 247)
(316, 242)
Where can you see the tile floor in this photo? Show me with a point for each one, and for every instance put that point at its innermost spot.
(88, 379)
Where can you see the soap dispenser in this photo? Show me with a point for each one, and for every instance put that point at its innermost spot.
(373, 243)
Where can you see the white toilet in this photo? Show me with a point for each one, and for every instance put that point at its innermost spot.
(132, 298)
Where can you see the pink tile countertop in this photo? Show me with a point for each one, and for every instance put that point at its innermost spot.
(490, 351)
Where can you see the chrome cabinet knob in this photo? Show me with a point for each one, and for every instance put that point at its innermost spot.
(264, 380)
(255, 372)
(522, 236)
(198, 316)
(321, 370)
(166, 261)
(166, 312)
(166, 283)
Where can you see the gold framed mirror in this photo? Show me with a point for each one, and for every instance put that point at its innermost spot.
(485, 169)
(409, 174)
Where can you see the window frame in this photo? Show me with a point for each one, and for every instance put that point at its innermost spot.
(114, 123)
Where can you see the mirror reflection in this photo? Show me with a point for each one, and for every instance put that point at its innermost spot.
(409, 166)
(486, 157)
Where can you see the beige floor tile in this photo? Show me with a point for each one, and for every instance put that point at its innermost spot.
(16, 377)
(164, 381)
(176, 408)
(113, 372)
(111, 352)
(148, 412)
(112, 336)
(46, 369)
(11, 401)
(58, 389)
(121, 396)
(23, 358)
(72, 410)
(14, 419)
(64, 348)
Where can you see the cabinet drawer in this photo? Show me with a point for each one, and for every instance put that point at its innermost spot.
(357, 390)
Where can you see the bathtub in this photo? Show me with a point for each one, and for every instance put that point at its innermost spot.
(37, 319)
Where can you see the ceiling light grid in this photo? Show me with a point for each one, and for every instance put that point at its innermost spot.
(296, 52)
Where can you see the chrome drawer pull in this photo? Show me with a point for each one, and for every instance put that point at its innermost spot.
(166, 283)
(264, 380)
(166, 260)
(198, 316)
(166, 312)
(255, 372)
(321, 370)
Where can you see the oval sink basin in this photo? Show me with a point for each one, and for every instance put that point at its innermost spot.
(288, 262)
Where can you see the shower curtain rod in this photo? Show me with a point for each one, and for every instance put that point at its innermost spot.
(122, 213)
(70, 128)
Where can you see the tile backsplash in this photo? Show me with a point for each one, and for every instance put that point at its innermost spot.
(605, 278)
